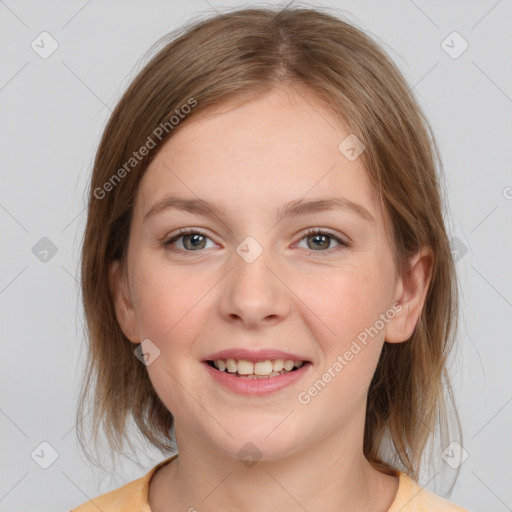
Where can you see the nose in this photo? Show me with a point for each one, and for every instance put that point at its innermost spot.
(254, 293)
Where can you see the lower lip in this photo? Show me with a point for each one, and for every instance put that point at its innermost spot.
(256, 386)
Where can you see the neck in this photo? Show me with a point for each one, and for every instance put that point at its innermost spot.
(333, 476)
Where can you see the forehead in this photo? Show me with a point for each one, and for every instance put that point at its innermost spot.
(262, 153)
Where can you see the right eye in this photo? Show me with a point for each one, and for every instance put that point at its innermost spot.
(193, 240)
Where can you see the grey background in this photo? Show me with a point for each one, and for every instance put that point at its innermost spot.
(52, 113)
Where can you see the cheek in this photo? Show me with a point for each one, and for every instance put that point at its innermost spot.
(166, 300)
(345, 307)
(344, 312)
(344, 300)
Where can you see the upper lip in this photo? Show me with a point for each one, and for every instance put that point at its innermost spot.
(254, 355)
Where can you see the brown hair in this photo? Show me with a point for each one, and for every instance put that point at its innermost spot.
(233, 57)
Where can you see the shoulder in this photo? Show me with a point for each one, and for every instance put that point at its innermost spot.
(131, 497)
(125, 498)
(430, 502)
(411, 497)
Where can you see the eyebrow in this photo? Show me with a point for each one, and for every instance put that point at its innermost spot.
(291, 209)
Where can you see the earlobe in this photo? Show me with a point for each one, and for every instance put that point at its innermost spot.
(411, 293)
(123, 305)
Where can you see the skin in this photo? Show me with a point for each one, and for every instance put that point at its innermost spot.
(312, 300)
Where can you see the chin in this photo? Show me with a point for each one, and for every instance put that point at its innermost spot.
(253, 443)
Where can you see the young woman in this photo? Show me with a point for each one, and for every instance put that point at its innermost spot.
(267, 279)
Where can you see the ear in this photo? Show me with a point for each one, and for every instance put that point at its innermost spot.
(411, 292)
(123, 304)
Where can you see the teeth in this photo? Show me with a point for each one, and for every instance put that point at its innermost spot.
(278, 365)
(245, 367)
(288, 365)
(231, 366)
(261, 368)
(258, 369)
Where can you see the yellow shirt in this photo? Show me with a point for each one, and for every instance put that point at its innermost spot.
(133, 497)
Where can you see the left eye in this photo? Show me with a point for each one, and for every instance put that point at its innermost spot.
(321, 240)
(194, 240)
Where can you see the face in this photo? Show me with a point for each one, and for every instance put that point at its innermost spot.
(245, 278)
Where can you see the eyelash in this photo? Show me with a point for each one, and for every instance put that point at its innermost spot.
(167, 244)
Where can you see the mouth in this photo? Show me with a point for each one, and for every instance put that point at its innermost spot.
(257, 370)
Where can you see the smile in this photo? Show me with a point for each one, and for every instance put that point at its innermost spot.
(258, 377)
(256, 370)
